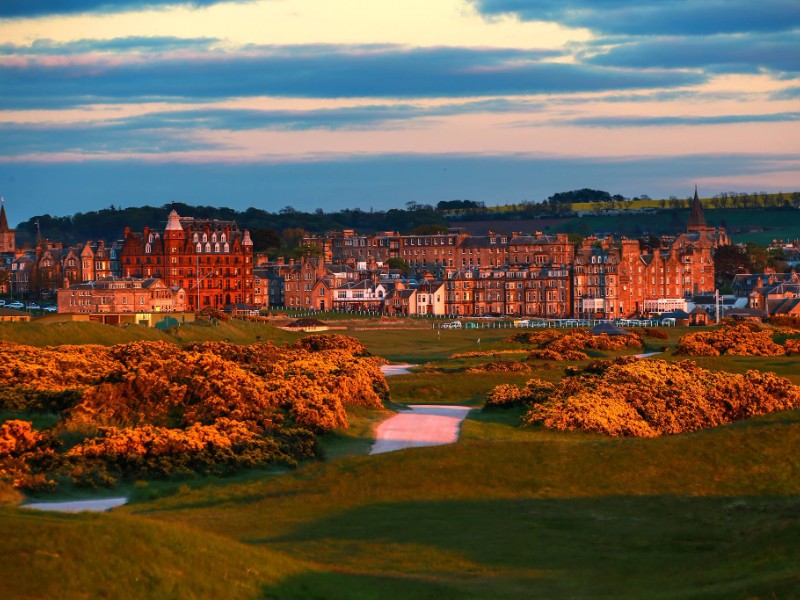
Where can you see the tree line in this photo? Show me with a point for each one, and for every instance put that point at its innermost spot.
(283, 230)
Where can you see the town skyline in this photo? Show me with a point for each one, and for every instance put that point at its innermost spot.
(336, 105)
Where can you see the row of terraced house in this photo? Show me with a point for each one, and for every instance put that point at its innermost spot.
(510, 274)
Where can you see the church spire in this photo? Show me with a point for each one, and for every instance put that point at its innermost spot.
(3, 220)
(697, 219)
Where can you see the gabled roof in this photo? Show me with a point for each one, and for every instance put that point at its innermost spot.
(783, 306)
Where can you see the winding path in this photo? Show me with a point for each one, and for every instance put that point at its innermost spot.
(422, 425)
(96, 505)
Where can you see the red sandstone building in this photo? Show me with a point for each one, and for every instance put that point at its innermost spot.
(127, 295)
(211, 260)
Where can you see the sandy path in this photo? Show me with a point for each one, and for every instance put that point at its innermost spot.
(646, 355)
(421, 426)
(401, 369)
(98, 505)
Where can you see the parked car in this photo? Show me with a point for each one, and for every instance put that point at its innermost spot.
(33, 306)
(2, 302)
(452, 325)
(522, 323)
(50, 308)
(16, 304)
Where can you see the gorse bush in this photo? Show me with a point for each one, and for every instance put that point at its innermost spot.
(501, 366)
(154, 408)
(740, 340)
(646, 398)
(570, 346)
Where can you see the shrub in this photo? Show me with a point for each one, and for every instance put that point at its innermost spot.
(630, 397)
(315, 343)
(740, 340)
(501, 366)
(533, 392)
(153, 408)
(25, 455)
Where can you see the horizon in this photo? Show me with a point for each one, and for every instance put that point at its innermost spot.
(312, 104)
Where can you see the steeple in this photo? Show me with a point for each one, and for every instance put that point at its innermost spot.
(174, 222)
(7, 235)
(697, 219)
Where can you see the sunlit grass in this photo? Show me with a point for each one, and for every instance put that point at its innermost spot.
(506, 512)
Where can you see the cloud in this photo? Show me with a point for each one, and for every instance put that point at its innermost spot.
(44, 47)
(722, 53)
(665, 17)
(787, 94)
(317, 71)
(671, 121)
(18, 140)
(38, 8)
(177, 130)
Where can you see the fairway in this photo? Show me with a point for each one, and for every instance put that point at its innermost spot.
(506, 512)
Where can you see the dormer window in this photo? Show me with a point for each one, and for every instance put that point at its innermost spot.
(213, 238)
(216, 246)
(148, 248)
(205, 238)
(222, 238)
(208, 246)
(195, 238)
(227, 247)
(198, 248)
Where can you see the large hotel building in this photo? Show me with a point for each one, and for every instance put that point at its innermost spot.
(211, 260)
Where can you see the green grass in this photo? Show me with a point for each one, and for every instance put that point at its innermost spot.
(118, 556)
(712, 514)
(506, 512)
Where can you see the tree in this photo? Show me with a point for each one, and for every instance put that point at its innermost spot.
(307, 250)
(399, 263)
(428, 229)
(265, 239)
(729, 261)
(292, 236)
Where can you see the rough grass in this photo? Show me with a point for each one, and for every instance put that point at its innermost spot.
(46, 555)
(506, 512)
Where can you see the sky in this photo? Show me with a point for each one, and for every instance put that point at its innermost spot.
(372, 104)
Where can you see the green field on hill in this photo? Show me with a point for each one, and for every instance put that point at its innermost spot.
(506, 512)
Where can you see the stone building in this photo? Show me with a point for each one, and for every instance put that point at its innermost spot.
(211, 260)
(121, 295)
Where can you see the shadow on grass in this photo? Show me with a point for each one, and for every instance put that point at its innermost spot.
(619, 546)
(314, 585)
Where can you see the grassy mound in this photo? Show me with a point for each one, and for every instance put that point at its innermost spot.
(117, 556)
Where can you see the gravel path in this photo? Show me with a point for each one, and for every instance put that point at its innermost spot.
(422, 425)
(401, 369)
(97, 505)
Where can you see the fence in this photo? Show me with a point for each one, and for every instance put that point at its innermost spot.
(481, 322)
